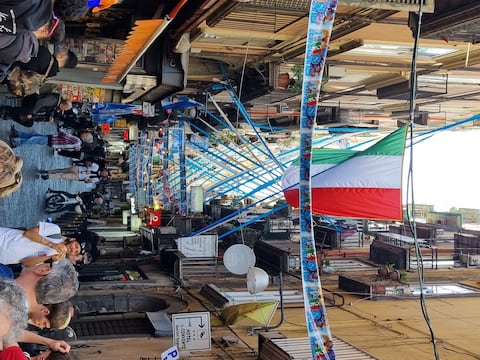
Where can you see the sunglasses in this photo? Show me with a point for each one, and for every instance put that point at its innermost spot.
(49, 262)
(55, 25)
(17, 179)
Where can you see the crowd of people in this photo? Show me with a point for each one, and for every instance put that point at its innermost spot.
(39, 265)
(25, 23)
(32, 302)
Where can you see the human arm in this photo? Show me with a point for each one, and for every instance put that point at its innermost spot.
(33, 234)
(46, 103)
(35, 260)
(43, 356)
(55, 345)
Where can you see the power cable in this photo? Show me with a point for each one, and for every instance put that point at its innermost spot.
(410, 182)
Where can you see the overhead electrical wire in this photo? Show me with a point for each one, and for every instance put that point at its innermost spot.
(410, 182)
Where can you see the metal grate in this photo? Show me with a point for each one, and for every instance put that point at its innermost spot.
(303, 5)
(399, 5)
(299, 349)
(87, 328)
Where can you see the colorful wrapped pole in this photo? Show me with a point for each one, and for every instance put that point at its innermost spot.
(322, 14)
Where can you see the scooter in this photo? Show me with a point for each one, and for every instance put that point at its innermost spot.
(58, 201)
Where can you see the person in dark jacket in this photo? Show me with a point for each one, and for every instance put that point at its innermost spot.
(62, 59)
(97, 154)
(18, 16)
(36, 108)
(18, 20)
(87, 199)
(21, 47)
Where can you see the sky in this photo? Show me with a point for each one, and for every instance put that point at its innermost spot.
(446, 170)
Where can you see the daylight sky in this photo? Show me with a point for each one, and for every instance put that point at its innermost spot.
(446, 170)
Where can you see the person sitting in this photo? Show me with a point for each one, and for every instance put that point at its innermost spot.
(36, 106)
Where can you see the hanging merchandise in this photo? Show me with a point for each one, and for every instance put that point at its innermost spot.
(322, 14)
(109, 112)
(99, 5)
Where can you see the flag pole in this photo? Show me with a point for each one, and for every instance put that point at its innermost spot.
(320, 25)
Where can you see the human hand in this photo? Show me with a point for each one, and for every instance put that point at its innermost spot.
(42, 356)
(58, 345)
(57, 257)
(61, 249)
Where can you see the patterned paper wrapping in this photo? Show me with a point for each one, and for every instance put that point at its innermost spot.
(322, 14)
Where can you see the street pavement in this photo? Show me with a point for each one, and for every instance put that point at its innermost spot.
(26, 206)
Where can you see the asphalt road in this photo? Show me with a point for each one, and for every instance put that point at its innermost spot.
(26, 206)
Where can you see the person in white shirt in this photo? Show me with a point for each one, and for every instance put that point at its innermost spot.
(42, 240)
(89, 172)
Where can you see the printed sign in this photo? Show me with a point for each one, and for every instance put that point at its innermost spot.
(170, 354)
(191, 331)
(198, 246)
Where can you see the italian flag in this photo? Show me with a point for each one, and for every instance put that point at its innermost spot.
(354, 184)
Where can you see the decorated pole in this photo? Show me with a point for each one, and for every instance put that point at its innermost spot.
(322, 14)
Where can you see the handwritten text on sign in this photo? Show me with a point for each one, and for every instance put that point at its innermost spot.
(191, 331)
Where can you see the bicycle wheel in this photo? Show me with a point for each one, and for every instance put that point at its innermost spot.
(54, 203)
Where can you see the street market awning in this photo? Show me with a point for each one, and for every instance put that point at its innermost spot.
(142, 35)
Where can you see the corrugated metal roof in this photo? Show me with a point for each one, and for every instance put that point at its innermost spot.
(299, 349)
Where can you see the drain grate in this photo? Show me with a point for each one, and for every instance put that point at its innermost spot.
(115, 328)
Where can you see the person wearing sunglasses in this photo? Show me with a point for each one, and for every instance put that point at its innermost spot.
(53, 31)
(36, 107)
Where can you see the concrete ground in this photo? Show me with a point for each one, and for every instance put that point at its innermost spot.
(26, 206)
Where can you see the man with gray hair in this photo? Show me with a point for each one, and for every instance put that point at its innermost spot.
(43, 286)
(13, 318)
(13, 321)
(59, 285)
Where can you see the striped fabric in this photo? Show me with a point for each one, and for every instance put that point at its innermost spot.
(354, 184)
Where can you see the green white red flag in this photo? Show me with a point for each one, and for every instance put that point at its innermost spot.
(354, 184)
